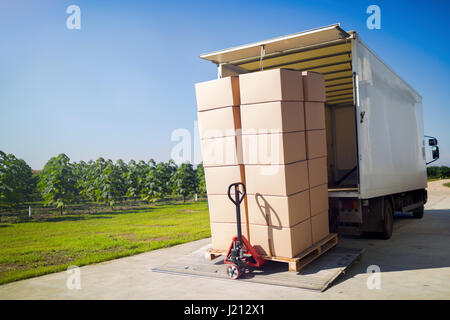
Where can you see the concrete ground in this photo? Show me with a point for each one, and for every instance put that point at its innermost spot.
(414, 264)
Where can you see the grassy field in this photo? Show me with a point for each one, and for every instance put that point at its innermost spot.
(53, 243)
(447, 184)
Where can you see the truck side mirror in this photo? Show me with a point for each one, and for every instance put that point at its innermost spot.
(433, 142)
(435, 152)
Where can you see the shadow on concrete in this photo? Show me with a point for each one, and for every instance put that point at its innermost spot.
(416, 244)
(442, 211)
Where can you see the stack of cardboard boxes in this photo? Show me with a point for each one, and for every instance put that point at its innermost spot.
(277, 147)
(218, 104)
(273, 141)
(316, 152)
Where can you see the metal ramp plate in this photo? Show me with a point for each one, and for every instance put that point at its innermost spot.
(318, 275)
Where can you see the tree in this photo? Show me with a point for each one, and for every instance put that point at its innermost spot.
(438, 172)
(184, 180)
(57, 182)
(157, 184)
(81, 171)
(433, 172)
(134, 178)
(16, 180)
(445, 172)
(104, 183)
(123, 170)
(85, 175)
(200, 179)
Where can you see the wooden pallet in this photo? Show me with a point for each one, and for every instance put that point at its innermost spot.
(299, 261)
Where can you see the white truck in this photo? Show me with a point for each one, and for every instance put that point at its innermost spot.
(374, 123)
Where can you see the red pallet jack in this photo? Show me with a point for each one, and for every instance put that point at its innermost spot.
(241, 255)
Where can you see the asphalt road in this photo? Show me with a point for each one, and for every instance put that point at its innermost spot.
(414, 264)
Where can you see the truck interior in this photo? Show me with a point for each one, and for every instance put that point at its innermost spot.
(326, 50)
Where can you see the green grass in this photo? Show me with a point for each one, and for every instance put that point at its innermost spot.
(34, 248)
(447, 184)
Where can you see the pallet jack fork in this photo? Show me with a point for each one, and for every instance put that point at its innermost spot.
(241, 255)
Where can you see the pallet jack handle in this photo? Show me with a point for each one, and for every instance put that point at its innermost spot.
(237, 201)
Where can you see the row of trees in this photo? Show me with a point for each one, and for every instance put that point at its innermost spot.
(438, 172)
(62, 181)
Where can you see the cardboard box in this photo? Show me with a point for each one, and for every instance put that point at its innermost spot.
(279, 211)
(275, 148)
(281, 242)
(273, 117)
(314, 115)
(222, 151)
(271, 85)
(223, 122)
(218, 179)
(217, 93)
(313, 86)
(318, 199)
(320, 226)
(222, 234)
(317, 172)
(221, 209)
(316, 144)
(277, 180)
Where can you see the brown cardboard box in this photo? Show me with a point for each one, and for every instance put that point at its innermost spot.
(313, 86)
(273, 117)
(314, 115)
(217, 93)
(271, 85)
(318, 199)
(221, 151)
(278, 211)
(317, 172)
(274, 148)
(281, 242)
(316, 144)
(277, 180)
(222, 234)
(221, 209)
(221, 122)
(320, 227)
(218, 179)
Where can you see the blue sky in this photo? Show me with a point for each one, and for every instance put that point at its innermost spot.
(118, 87)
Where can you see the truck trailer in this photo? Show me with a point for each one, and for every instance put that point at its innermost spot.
(376, 148)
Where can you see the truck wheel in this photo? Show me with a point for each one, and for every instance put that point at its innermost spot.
(388, 220)
(418, 213)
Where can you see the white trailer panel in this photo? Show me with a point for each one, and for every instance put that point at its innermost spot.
(390, 128)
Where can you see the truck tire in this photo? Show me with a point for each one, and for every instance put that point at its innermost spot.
(418, 213)
(388, 225)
